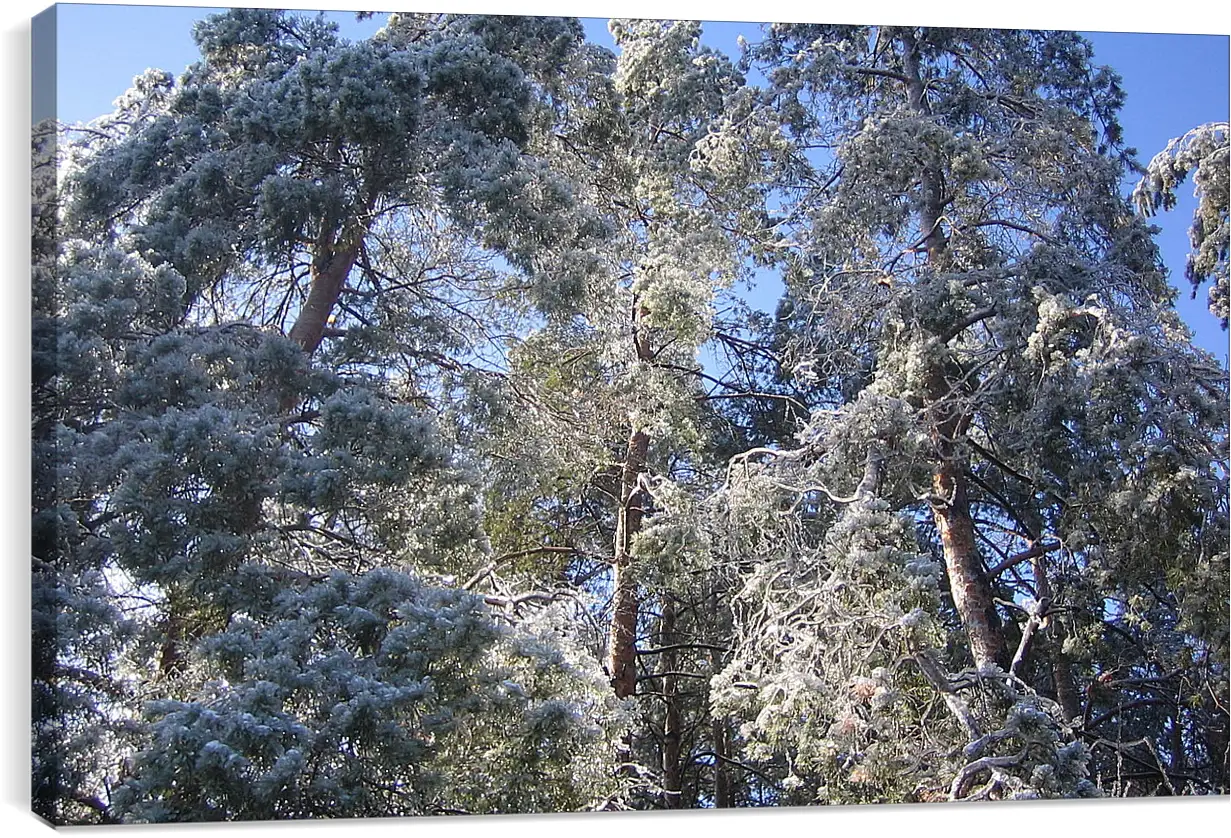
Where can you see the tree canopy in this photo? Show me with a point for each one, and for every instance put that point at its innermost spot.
(405, 443)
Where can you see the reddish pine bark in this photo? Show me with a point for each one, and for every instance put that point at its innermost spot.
(968, 583)
(625, 607)
(330, 267)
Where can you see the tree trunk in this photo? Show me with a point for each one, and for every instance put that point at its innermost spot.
(334, 253)
(669, 663)
(972, 593)
(1062, 675)
(1061, 667)
(331, 265)
(971, 589)
(932, 194)
(724, 791)
(724, 797)
(623, 638)
(330, 268)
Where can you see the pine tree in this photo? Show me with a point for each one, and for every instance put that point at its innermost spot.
(1024, 401)
(604, 439)
(215, 468)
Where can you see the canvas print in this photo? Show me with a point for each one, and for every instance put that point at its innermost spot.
(441, 413)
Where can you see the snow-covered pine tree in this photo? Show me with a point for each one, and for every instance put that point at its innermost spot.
(1205, 152)
(1003, 534)
(223, 436)
(603, 442)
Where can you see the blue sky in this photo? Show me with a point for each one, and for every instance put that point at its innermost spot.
(1173, 82)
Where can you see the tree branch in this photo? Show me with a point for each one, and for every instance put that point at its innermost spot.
(677, 646)
(736, 763)
(491, 566)
(1013, 225)
(957, 706)
(1033, 552)
(961, 783)
(874, 71)
(966, 322)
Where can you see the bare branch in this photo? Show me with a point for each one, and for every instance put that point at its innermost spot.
(957, 706)
(961, 783)
(1037, 550)
(966, 322)
(490, 567)
(677, 646)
